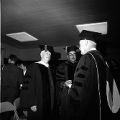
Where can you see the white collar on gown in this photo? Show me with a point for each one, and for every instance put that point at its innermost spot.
(43, 63)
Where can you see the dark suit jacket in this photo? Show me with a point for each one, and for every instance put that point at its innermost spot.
(11, 79)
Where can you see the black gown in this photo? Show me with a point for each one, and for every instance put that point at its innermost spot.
(88, 94)
(39, 90)
(65, 71)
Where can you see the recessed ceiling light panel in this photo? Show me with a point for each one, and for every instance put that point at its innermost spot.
(22, 36)
(100, 27)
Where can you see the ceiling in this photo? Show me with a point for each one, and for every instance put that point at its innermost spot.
(52, 22)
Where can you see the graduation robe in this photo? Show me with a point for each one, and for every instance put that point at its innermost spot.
(65, 71)
(87, 96)
(39, 91)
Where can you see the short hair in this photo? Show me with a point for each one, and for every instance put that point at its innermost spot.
(13, 58)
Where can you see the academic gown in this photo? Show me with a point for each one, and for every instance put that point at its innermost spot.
(65, 71)
(87, 96)
(39, 91)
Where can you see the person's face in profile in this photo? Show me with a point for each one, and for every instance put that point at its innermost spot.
(72, 56)
(46, 55)
(83, 46)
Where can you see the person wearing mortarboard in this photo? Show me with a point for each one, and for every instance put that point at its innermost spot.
(64, 78)
(40, 91)
(88, 91)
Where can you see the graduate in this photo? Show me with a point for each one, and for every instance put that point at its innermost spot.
(88, 90)
(39, 97)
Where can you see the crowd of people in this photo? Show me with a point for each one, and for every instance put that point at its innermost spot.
(75, 90)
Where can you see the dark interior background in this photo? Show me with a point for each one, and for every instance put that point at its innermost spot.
(53, 22)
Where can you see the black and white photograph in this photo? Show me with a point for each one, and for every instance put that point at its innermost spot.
(60, 60)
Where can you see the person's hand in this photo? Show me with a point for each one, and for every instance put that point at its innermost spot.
(68, 83)
(33, 108)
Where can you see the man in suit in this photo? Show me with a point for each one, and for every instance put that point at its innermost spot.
(11, 77)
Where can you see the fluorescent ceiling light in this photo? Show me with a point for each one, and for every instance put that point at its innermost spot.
(22, 36)
(100, 27)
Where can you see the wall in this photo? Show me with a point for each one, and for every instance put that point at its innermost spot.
(31, 54)
(9, 50)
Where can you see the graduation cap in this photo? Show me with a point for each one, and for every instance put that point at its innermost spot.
(89, 35)
(92, 31)
(71, 48)
(46, 48)
(54, 55)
